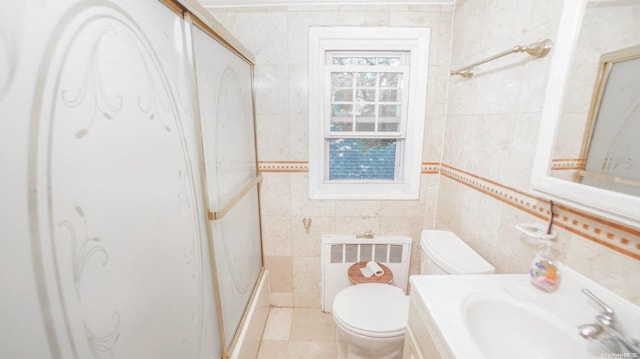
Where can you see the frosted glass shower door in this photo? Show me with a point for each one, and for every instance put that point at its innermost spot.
(226, 111)
(100, 152)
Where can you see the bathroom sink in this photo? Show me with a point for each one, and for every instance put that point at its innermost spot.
(502, 328)
(504, 316)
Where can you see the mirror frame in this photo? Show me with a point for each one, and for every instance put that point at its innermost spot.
(614, 206)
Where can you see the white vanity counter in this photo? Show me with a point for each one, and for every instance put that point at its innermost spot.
(501, 316)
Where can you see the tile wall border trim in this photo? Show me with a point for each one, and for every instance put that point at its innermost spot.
(283, 166)
(620, 238)
(430, 168)
(303, 166)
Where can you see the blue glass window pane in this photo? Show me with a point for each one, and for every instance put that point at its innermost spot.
(362, 159)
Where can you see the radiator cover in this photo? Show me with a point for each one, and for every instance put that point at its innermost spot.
(339, 252)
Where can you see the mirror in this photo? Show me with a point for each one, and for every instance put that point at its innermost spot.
(595, 142)
(611, 149)
(588, 150)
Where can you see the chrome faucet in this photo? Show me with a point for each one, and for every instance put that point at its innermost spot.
(367, 235)
(605, 318)
(605, 330)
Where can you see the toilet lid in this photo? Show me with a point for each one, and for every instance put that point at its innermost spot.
(372, 309)
(452, 254)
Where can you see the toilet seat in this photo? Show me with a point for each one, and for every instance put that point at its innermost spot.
(372, 310)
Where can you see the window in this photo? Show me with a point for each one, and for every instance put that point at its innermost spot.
(364, 138)
(367, 99)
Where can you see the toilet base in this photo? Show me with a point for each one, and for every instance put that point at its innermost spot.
(359, 347)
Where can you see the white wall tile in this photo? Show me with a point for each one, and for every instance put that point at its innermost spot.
(275, 194)
(264, 34)
(273, 136)
(301, 205)
(271, 86)
(276, 235)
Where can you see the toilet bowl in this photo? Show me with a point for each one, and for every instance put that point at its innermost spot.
(371, 318)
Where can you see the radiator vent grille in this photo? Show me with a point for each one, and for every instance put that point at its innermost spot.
(340, 252)
(350, 253)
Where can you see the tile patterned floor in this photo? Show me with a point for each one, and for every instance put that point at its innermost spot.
(298, 333)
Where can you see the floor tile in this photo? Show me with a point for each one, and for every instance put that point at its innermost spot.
(298, 333)
(273, 349)
(312, 349)
(278, 324)
(312, 325)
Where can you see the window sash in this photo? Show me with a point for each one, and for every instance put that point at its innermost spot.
(376, 119)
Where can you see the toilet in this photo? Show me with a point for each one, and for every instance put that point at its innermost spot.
(371, 318)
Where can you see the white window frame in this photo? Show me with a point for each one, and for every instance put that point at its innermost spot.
(414, 41)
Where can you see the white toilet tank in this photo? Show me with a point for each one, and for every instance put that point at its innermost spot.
(443, 252)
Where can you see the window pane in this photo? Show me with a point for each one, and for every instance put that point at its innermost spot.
(389, 127)
(365, 117)
(390, 79)
(365, 127)
(390, 61)
(342, 95)
(366, 79)
(341, 79)
(390, 111)
(341, 110)
(365, 111)
(366, 61)
(366, 95)
(390, 96)
(362, 159)
(341, 117)
(389, 117)
(361, 61)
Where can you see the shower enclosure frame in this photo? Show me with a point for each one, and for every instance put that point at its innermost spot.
(130, 223)
(194, 15)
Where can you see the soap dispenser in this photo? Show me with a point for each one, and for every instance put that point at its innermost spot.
(544, 268)
(544, 271)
